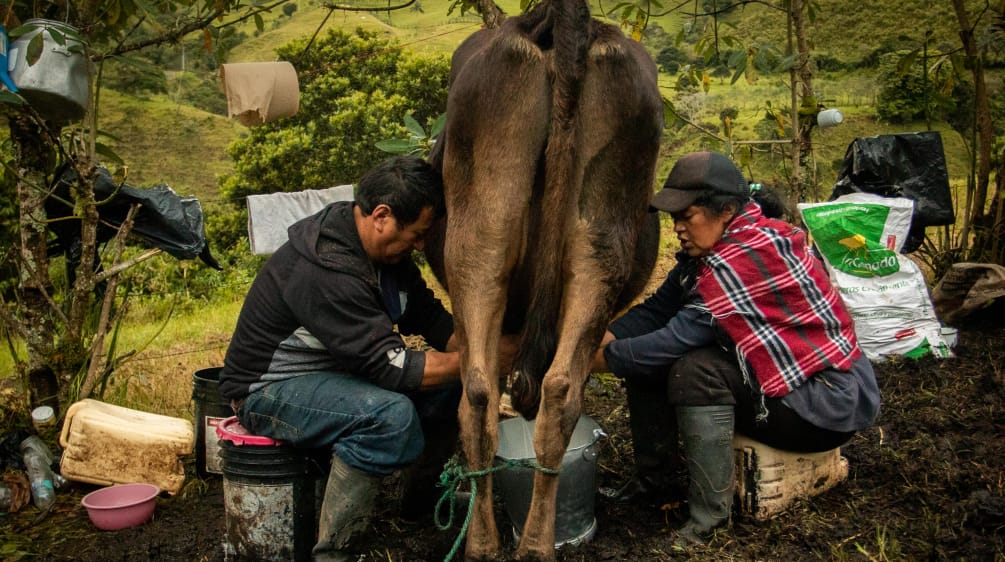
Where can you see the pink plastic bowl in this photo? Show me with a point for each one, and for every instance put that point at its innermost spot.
(119, 507)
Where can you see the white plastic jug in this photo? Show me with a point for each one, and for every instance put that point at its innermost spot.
(107, 444)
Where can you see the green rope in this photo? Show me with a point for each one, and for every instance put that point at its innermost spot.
(454, 474)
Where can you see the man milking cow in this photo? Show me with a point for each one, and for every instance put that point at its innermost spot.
(317, 359)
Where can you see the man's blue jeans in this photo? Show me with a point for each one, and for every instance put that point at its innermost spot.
(370, 428)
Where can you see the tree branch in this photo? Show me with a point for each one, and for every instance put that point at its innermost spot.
(171, 36)
(367, 8)
(98, 345)
(693, 124)
(120, 267)
(252, 13)
(12, 323)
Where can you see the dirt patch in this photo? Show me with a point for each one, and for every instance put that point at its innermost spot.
(927, 482)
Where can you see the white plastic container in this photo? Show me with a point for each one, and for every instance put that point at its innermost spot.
(107, 444)
(829, 118)
(768, 480)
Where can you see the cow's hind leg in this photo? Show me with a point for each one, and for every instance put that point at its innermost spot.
(498, 105)
(585, 305)
(618, 147)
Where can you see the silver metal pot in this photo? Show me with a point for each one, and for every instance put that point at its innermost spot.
(57, 84)
(575, 522)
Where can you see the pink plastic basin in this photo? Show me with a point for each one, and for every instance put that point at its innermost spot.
(122, 506)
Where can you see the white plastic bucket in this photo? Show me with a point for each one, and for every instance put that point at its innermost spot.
(949, 335)
(829, 118)
(575, 522)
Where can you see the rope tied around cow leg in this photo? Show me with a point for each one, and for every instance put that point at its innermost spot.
(454, 474)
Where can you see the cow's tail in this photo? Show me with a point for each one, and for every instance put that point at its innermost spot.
(569, 35)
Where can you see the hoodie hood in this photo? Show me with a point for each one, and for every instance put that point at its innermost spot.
(330, 240)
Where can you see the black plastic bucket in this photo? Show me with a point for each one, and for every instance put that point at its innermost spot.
(210, 410)
(269, 496)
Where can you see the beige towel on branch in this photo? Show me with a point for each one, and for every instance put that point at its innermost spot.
(260, 92)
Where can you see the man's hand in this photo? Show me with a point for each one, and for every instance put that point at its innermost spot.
(508, 346)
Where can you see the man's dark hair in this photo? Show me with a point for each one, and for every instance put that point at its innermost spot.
(406, 184)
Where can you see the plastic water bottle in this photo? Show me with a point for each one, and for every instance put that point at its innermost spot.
(35, 443)
(36, 457)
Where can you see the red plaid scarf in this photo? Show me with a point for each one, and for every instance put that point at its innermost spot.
(774, 299)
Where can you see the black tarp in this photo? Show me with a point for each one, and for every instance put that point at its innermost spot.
(164, 220)
(911, 165)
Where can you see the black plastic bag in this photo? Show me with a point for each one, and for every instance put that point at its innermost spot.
(10, 450)
(911, 165)
(165, 220)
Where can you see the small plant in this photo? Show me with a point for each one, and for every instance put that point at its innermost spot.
(419, 142)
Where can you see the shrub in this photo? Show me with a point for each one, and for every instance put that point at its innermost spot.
(905, 94)
(829, 63)
(670, 59)
(203, 91)
(355, 90)
(902, 96)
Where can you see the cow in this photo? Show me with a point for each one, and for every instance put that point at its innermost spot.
(548, 155)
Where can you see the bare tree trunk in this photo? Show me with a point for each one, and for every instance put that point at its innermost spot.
(795, 184)
(804, 104)
(35, 325)
(56, 331)
(985, 133)
(808, 104)
(492, 15)
(998, 212)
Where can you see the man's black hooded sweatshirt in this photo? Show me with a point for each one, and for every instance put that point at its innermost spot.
(320, 304)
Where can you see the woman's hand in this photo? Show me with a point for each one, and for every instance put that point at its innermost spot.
(599, 364)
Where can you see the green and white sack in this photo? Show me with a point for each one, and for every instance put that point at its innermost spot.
(860, 236)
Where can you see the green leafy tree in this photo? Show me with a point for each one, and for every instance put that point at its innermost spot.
(909, 92)
(903, 93)
(355, 88)
(671, 58)
(68, 328)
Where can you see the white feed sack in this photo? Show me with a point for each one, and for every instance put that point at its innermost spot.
(860, 236)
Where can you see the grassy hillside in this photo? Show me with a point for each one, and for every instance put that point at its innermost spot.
(853, 94)
(162, 140)
(165, 142)
(851, 30)
(845, 31)
(428, 30)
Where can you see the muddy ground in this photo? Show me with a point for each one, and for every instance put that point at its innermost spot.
(926, 483)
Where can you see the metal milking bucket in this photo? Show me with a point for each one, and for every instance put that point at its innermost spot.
(575, 522)
(56, 86)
